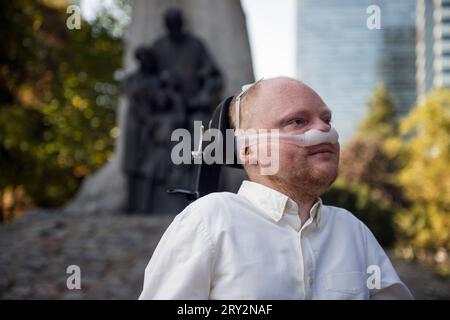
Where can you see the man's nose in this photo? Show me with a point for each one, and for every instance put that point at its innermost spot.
(321, 125)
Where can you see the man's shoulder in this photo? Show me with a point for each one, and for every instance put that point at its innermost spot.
(343, 222)
(211, 205)
(215, 200)
(341, 216)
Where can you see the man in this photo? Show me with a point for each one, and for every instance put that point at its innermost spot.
(274, 239)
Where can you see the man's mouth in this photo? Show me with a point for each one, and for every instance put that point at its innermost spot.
(321, 148)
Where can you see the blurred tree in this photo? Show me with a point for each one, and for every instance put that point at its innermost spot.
(424, 145)
(57, 99)
(364, 160)
(381, 119)
(366, 185)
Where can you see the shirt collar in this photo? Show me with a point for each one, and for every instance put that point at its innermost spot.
(274, 203)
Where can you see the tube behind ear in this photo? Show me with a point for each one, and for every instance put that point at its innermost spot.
(246, 156)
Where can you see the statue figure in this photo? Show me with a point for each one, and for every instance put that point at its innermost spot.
(186, 60)
(176, 84)
(155, 111)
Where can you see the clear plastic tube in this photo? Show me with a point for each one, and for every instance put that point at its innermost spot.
(309, 138)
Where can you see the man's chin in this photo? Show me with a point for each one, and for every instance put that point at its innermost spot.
(327, 165)
(325, 174)
(317, 180)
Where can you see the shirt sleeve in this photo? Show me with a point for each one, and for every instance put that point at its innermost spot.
(181, 265)
(389, 285)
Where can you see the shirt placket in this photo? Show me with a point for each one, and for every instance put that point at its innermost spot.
(306, 266)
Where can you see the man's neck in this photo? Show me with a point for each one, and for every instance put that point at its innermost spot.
(305, 199)
(304, 202)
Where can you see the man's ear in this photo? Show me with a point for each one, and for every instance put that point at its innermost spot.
(248, 156)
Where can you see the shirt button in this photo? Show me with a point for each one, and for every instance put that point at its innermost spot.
(311, 281)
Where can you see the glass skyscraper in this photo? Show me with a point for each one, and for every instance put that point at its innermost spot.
(344, 60)
(433, 45)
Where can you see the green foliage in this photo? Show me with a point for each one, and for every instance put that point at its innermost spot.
(406, 166)
(424, 145)
(367, 186)
(381, 119)
(57, 101)
(365, 162)
(364, 159)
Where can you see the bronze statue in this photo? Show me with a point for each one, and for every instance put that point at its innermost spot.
(184, 58)
(177, 83)
(154, 112)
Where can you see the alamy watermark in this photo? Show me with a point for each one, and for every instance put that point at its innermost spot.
(374, 278)
(74, 279)
(373, 22)
(221, 150)
(74, 19)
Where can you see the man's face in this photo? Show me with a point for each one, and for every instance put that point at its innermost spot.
(294, 108)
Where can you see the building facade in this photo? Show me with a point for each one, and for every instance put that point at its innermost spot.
(344, 59)
(433, 45)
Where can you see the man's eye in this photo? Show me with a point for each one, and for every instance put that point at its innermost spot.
(299, 121)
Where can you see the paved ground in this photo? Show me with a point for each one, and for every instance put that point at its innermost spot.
(112, 251)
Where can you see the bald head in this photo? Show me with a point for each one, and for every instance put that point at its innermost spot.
(270, 98)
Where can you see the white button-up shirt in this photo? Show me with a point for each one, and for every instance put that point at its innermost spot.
(252, 245)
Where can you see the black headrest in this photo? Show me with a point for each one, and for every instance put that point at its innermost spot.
(220, 120)
(208, 175)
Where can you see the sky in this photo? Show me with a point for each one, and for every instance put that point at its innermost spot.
(272, 33)
(271, 29)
